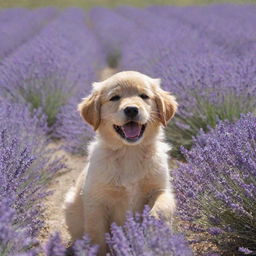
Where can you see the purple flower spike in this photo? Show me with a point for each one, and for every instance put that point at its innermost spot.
(221, 171)
(144, 235)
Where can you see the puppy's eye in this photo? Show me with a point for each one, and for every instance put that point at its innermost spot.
(115, 98)
(144, 96)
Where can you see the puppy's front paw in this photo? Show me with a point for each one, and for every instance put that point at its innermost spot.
(154, 213)
(164, 213)
(164, 207)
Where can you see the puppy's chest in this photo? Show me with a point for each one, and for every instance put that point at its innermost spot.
(121, 194)
(124, 175)
(128, 170)
(128, 179)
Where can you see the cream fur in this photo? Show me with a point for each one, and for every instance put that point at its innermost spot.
(121, 176)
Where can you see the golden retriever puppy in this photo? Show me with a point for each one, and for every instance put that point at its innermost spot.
(127, 161)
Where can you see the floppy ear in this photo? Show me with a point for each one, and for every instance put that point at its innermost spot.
(89, 109)
(166, 105)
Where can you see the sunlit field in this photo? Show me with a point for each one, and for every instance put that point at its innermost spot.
(205, 55)
(108, 3)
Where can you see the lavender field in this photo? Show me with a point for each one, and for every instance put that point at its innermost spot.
(205, 56)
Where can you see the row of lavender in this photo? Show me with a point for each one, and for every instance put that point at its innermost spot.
(56, 64)
(216, 189)
(17, 26)
(206, 57)
(47, 58)
(25, 166)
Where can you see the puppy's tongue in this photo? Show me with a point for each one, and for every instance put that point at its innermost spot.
(131, 130)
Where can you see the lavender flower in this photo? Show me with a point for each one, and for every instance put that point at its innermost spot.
(83, 247)
(55, 247)
(72, 128)
(14, 241)
(245, 251)
(145, 235)
(217, 187)
(26, 164)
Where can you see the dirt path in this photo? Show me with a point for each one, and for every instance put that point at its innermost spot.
(54, 215)
(107, 72)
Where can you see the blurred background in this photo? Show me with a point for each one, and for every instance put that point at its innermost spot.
(108, 3)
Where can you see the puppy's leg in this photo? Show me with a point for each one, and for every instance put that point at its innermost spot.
(96, 225)
(162, 203)
(73, 209)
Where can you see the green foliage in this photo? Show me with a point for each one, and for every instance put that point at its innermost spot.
(41, 94)
(113, 58)
(242, 226)
(182, 130)
(108, 3)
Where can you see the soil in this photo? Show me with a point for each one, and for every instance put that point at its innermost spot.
(54, 215)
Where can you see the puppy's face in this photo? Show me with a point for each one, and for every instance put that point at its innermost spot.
(128, 107)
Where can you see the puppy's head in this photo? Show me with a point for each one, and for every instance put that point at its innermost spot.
(128, 107)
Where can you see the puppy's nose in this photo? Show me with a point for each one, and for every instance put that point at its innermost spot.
(131, 111)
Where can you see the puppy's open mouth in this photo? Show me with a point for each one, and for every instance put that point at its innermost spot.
(131, 131)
